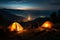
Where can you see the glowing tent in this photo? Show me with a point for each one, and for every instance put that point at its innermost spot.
(15, 27)
(47, 24)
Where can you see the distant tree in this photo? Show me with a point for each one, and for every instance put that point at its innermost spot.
(1, 19)
(58, 17)
(59, 13)
(53, 17)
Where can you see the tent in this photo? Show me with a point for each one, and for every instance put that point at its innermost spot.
(15, 27)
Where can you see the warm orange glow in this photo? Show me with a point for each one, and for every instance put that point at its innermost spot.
(19, 27)
(29, 18)
(47, 24)
(40, 28)
(1, 27)
(16, 27)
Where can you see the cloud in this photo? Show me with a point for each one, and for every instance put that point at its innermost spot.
(57, 4)
(10, 0)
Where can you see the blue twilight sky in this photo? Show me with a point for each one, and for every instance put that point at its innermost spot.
(31, 4)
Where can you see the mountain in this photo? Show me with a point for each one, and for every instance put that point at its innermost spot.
(7, 17)
(12, 10)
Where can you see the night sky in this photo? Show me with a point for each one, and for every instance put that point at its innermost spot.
(31, 5)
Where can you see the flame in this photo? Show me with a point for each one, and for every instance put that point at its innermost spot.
(29, 18)
(15, 27)
(47, 24)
